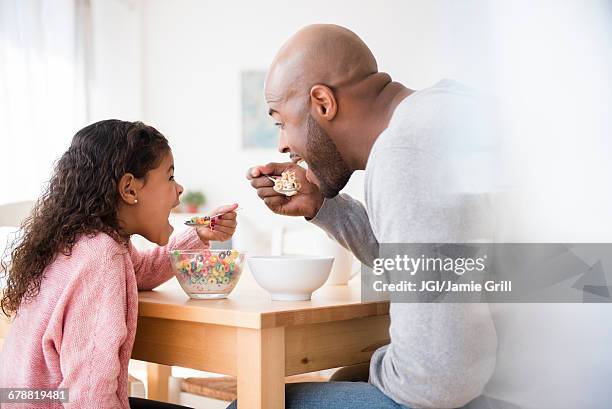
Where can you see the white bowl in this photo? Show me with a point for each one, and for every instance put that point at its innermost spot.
(290, 278)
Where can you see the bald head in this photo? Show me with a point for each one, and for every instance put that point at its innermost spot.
(329, 102)
(319, 54)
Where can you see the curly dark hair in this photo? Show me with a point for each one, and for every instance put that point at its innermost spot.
(81, 198)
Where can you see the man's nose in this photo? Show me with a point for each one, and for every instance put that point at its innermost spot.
(283, 147)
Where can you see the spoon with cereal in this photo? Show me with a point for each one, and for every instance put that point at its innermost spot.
(286, 184)
(197, 221)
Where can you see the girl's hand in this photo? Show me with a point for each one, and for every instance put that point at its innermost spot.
(225, 225)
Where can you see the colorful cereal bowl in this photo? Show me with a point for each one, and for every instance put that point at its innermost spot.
(207, 274)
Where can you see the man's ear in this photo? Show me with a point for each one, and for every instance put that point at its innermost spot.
(323, 102)
(129, 187)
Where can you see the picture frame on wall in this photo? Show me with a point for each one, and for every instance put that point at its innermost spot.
(258, 130)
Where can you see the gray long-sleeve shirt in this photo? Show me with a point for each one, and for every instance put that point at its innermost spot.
(426, 183)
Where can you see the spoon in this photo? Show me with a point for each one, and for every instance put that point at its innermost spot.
(207, 219)
(286, 192)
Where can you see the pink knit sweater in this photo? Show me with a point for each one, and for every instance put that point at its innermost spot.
(79, 331)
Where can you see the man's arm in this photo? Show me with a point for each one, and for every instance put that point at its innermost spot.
(345, 220)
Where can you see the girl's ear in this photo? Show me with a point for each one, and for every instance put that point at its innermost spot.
(129, 187)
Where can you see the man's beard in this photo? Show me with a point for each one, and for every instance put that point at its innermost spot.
(324, 160)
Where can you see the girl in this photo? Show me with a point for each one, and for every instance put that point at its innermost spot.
(74, 276)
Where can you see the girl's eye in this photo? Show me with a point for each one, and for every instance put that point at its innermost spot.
(278, 124)
(172, 178)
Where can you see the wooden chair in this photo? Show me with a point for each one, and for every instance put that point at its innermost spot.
(213, 392)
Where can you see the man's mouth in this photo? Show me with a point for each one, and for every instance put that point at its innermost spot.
(295, 158)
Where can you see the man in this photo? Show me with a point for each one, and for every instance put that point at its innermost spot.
(339, 114)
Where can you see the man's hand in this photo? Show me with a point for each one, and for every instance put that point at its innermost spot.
(306, 202)
(225, 225)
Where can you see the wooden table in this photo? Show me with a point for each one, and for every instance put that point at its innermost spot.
(255, 339)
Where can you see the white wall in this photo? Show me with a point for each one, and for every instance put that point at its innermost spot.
(115, 58)
(555, 84)
(193, 52)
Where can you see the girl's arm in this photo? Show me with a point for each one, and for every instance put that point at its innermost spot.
(153, 267)
(93, 331)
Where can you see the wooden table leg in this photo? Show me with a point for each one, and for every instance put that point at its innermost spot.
(261, 368)
(157, 381)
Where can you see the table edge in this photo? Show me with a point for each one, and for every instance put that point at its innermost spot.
(260, 320)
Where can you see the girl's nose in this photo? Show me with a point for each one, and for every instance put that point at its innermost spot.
(179, 189)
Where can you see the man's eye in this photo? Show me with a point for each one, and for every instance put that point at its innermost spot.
(278, 124)
(172, 178)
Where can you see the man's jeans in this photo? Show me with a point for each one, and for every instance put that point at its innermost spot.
(356, 395)
(335, 395)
